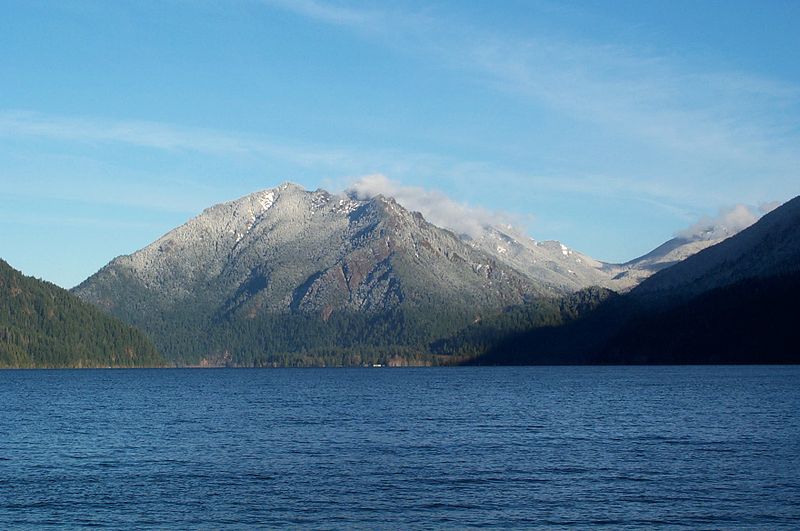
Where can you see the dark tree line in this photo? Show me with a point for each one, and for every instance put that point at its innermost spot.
(751, 321)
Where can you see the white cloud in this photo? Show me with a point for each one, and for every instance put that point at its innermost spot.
(728, 222)
(434, 205)
(148, 134)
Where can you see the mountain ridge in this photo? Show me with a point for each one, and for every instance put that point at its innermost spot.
(286, 274)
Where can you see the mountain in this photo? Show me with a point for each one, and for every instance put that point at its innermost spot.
(287, 276)
(704, 234)
(286, 271)
(495, 340)
(733, 302)
(42, 325)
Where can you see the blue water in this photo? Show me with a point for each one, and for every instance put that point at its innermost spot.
(700, 447)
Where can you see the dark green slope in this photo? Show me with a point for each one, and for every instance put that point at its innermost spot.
(751, 321)
(42, 325)
(485, 342)
(574, 340)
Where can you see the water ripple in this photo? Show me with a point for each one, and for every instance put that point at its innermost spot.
(548, 447)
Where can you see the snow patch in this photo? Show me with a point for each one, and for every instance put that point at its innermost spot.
(267, 200)
(346, 206)
(319, 200)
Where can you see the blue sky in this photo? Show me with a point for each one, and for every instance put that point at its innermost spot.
(608, 125)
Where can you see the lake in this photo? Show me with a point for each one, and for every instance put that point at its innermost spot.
(615, 447)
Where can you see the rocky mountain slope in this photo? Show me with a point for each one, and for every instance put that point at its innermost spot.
(549, 263)
(42, 325)
(311, 255)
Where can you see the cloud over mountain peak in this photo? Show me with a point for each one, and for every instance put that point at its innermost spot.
(437, 207)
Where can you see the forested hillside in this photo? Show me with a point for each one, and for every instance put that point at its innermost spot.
(42, 325)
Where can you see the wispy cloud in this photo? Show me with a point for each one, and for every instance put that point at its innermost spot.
(177, 197)
(80, 222)
(156, 135)
(718, 115)
(734, 122)
(328, 12)
(700, 124)
(339, 161)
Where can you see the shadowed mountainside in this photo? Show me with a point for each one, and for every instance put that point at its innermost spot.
(734, 302)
